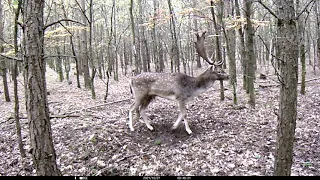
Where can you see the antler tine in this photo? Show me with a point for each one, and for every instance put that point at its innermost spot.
(219, 63)
(201, 48)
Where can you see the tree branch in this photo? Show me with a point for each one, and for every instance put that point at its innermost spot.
(60, 55)
(268, 9)
(11, 58)
(59, 21)
(304, 9)
(275, 69)
(104, 104)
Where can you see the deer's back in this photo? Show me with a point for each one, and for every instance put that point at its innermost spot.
(167, 85)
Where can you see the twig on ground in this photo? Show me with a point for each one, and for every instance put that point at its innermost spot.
(95, 106)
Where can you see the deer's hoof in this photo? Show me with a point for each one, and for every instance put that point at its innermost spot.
(174, 127)
(150, 127)
(189, 131)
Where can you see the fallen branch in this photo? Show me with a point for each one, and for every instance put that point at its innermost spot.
(7, 120)
(314, 79)
(63, 116)
(51, 117)
(99, 105)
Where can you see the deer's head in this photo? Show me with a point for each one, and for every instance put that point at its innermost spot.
(215, 71)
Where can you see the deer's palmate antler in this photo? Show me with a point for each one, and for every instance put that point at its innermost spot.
(174, 86)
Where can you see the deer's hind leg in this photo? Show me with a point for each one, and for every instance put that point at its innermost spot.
(143, 108)
(134, 107)
(182, 114)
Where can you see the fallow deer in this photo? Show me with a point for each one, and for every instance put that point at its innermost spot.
(174, 86)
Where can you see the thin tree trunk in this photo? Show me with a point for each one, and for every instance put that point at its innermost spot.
(250, 54)
(230, 45)
(195, 23)
(218, 43)
(84, 41)
(3, 66)
(144, 45)
(73, 51)
(136, 46)
(15, 82)
(91, 61)
(175, 47)
(301, 33)
(303, 69)
(154, 37)
(59, 65)
(317, 12)
(242, 49)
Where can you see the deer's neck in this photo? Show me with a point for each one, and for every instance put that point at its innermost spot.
(203, 82)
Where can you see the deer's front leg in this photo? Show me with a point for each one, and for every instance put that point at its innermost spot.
(182, 114)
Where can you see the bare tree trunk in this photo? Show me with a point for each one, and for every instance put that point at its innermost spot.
(218, 43)
(136, 46)
(231, 45)
(242, 48)
(195, 23)
(317, 12)
(155, 43)
(114, 35)
(42, 149)
(301, 33)
(3, 66)
(144, 45)
(15, 82)
(73, 51)
(66, 62)
(91, 59)
(288, 51)
(175, 47)
(84, 45)
(250, 54)
(59, 65)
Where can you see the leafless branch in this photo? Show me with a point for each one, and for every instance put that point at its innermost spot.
(104, 104)
(268, 9)
(60, 55)
(61, 20)
(304, 9)
(11, 58)
(276, 70)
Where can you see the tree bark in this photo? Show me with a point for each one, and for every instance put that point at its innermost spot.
(3, 66)
(218, 43)
(301, 35)
(15, 81)
(288, 51)
(42, 149)
(250, 54)
(231, 45)
(317, 12)
(136, 46)
(195, 24)
(242, 49)
(84, 41)
(91, 61)
(175, 54)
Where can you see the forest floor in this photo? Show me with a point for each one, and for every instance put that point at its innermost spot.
(92, 137)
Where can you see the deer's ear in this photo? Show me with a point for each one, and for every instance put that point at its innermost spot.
(211, 68)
